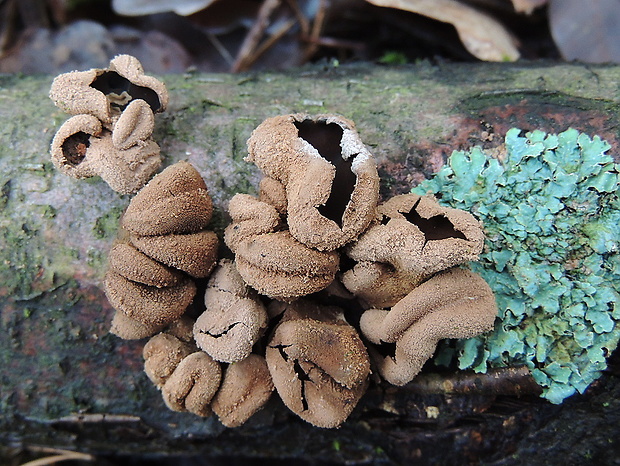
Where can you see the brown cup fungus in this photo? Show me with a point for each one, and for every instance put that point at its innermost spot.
(110, 134)
(106, 93)
(148, 280)
(187, 377)
(246, 387)
(234, 318)
(456, 303)
(413, 238)
(269, 259)
(318, 363)
(329, 177)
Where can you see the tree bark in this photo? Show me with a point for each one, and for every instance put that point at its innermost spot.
(66, 382)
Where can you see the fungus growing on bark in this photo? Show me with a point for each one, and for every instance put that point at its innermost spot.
(83, 148)
(106, 93)
(318, 363)
(271, 261)
(175, 201)
(246, 387)
(330, 178)
(456, 303)
(413, 238)
(234, 318)
(147, 280)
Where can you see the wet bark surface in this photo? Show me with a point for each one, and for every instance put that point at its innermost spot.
(66, 382)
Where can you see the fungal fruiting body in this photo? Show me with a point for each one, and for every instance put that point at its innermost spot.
(165, 246)
(329, 177)
(110, 134)
(318, 362)
(264, 324)
(234, 318)
(413, 237)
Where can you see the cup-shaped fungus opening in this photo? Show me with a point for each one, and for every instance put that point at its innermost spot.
(246, 387)
(456, 303)
(319, 366)
(106, 93)
(326, 139)
(120, 92)
(234, 318)
(414, 239)
(329, 177)
(174, 201)
(70, 150)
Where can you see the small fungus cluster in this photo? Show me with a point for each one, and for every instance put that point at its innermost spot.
(314, 237)
(110, 133)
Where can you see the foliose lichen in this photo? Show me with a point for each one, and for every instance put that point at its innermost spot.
(550, 207)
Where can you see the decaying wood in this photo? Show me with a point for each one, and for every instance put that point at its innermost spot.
(67, 383)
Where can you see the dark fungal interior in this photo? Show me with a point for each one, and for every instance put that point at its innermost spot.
(434, 228)
(325, 138)
(110, 82)
(75, 146)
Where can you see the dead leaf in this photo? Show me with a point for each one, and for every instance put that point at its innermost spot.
(527, 6)
(586, 31)
(483, 36)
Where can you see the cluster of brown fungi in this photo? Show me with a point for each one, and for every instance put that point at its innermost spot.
(110, 133)
(326, 285)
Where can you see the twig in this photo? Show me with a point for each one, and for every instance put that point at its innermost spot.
(62, 455)
(514, 381)
(253, 37)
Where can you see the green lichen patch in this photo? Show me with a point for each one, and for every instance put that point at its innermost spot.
(551, 212)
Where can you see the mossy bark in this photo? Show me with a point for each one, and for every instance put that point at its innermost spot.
(67, 382)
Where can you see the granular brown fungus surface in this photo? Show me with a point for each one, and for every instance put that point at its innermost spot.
(193, 384)
(175, 201)
(414, 238)
(162, 354)
(456, 303)
(330, 178)
(318, 363)
(127, 261)
(246, 387)
(148, 304)
(234, 318)
(193, 253)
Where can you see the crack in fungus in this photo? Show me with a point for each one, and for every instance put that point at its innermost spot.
(223, 332)
(325, 138)
(434, 228)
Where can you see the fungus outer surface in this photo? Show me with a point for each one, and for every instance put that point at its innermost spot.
(234, 318)
(127, 261)
(193, 253)
(550, 209)
(174, 201)
(148, 304)
(319, 367)
(162, 354)
(246, 387)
